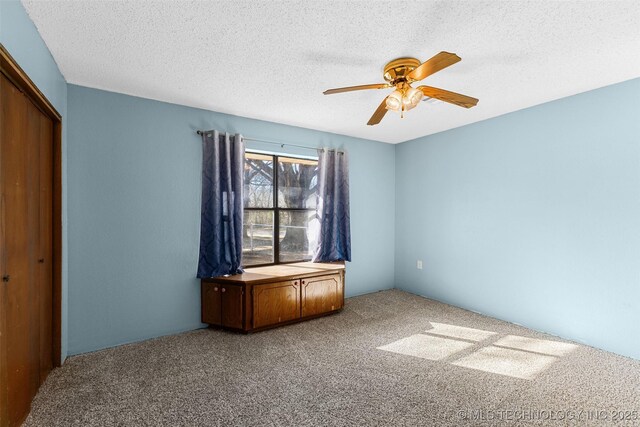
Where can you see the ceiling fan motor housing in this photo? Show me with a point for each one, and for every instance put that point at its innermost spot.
(399, 68)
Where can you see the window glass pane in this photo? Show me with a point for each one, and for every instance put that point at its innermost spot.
(297, 183)
(258, 181)
(257, 241)
(297, 235)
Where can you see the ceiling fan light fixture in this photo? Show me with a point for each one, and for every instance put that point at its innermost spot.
(394, 101)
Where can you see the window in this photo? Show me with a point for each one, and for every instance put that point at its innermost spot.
(279, 201)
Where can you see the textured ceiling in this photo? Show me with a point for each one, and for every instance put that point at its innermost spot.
(272, 60)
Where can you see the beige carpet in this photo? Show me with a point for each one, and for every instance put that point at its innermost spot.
(390, 358)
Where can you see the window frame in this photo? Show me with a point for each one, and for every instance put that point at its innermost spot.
(276, 209)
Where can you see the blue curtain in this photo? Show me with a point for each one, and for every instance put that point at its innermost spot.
(334, 241)
(222, 207)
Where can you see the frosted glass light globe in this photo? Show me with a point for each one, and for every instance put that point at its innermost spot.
(394, 101)
(414, 96)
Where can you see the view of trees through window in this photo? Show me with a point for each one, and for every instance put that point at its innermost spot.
(279, 200)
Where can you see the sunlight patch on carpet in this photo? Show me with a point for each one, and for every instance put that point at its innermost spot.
(552, 348)
(512, 355)
(504, 361)
(426, 347)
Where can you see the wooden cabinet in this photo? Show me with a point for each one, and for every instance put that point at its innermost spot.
(264, 297)
(232, 313)
(321, 294)
(276, 303)
(222, 305)
(211, 302)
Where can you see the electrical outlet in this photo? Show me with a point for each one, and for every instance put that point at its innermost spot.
(419, 264)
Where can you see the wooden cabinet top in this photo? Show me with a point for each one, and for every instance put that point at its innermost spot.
(272, 273)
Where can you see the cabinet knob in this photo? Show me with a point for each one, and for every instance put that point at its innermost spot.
(6, 278)
(303, 282)
(215, 289)
(224, 290)
(41, 260)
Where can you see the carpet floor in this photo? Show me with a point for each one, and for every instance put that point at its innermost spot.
(388, 359)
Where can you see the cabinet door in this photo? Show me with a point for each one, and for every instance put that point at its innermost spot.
(276, 302)
(211, 304)
(231, 306)
(321, 294)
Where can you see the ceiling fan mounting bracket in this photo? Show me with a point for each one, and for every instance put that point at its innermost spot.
(399, 68)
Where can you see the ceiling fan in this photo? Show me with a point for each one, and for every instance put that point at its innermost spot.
(400, 73)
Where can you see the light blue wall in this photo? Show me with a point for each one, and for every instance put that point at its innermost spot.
(134, 213)
(532, 217)
(20, 37)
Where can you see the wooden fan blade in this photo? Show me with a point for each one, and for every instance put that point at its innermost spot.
(379, 114)
(450, 97)
(433, 65)
(361, 87)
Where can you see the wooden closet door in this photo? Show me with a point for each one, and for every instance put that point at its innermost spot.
(4, 405)
(26, 145)
(15, 247)
(45, 246)
(33, 243)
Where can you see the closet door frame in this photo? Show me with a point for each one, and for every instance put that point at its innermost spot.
(10, 68)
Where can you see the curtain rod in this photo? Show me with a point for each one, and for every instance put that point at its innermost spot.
(281, 144)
